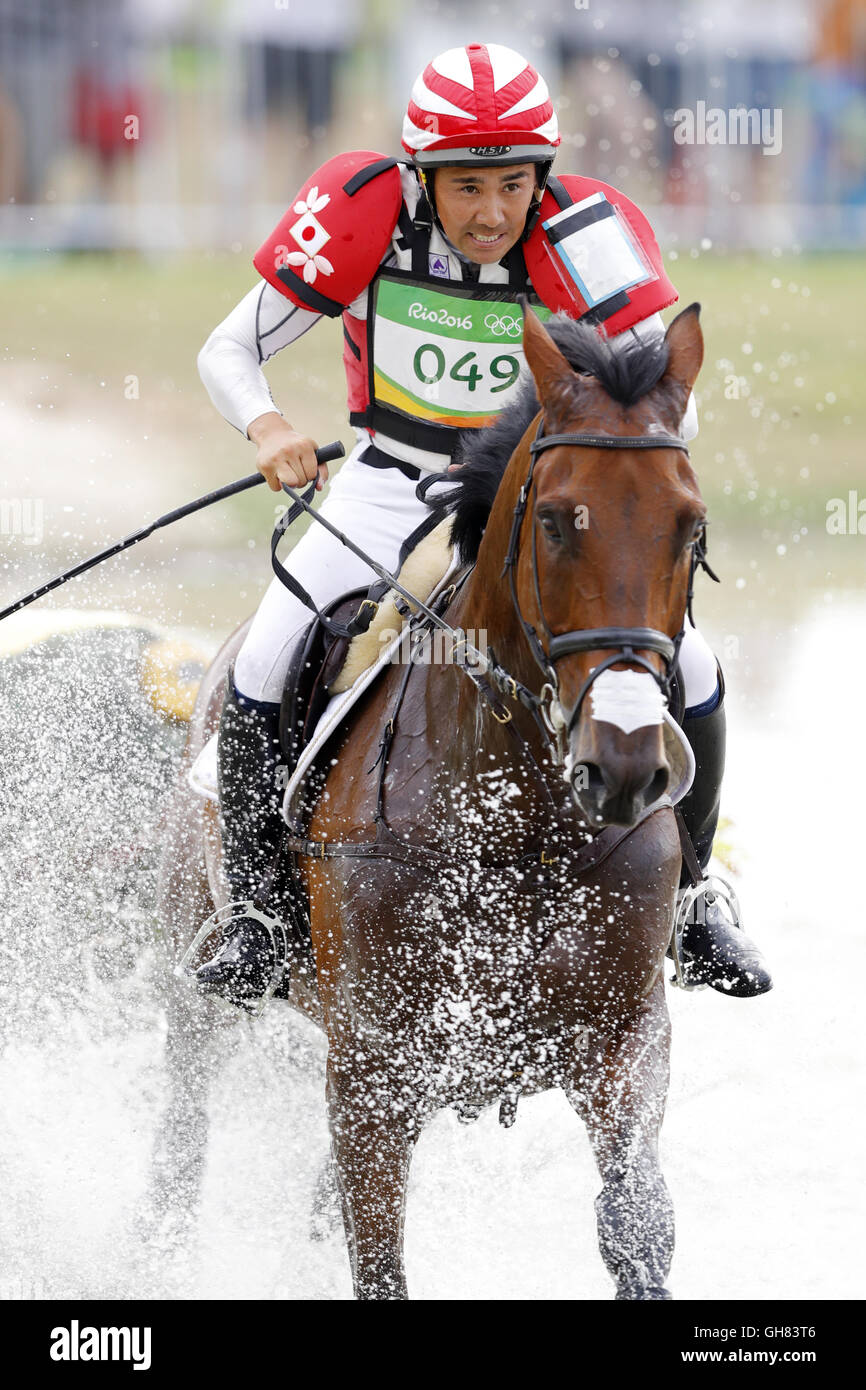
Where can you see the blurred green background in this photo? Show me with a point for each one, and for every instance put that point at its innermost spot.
(781, 407)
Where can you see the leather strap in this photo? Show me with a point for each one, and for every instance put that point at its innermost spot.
(580, 859)
(365, 613)
(690, 859)
(609, 441)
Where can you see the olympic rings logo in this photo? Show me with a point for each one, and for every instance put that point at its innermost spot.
(504, 326)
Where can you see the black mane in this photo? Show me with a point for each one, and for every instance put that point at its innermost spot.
(627, 371)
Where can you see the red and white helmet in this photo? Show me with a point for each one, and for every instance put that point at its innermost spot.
(482, 104)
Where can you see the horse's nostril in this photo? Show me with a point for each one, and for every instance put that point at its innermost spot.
(589, 777)
(658, 786)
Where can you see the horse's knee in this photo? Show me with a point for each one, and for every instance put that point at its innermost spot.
(636, 1232)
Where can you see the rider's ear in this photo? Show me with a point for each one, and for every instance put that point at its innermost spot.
(555, 380)
(685, 354)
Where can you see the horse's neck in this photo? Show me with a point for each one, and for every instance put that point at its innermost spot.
(462, 722)
(486, 604)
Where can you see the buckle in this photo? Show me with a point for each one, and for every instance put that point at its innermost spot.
(360, 620)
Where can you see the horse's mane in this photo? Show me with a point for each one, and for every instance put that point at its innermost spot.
(626, 371)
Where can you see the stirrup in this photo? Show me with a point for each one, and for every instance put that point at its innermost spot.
(221, 921)
(709, 888)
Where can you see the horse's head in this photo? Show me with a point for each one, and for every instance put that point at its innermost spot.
(605, 555)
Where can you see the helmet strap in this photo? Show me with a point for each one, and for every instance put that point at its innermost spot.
(427, 202)
(535, 205)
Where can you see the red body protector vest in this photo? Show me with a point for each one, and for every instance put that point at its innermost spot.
(591, 254)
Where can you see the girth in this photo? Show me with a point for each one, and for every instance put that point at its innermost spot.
(579, 859)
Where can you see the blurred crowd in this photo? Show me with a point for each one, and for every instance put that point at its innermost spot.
(212, 104)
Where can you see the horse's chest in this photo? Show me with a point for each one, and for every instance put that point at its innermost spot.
(453, 955)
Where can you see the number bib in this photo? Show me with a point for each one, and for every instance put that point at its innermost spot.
(447, 355)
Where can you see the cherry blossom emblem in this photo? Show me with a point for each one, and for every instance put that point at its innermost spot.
(311, 236)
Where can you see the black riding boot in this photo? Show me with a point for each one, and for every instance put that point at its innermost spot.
(715, 950)
(248, 754)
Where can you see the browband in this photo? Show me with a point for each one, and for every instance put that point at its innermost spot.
(608, 441)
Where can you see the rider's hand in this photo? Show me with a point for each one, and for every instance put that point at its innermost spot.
(284, 455)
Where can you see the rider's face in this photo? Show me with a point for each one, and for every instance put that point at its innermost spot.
(484, 211)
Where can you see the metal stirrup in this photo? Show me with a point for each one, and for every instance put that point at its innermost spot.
(709, 888)
(221, 921)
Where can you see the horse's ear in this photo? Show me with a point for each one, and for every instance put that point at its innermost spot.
(685, 354)
(552, 373)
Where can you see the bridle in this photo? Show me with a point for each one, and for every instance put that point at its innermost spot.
(625, 643)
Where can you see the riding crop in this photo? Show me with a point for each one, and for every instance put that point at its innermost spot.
(327, 454)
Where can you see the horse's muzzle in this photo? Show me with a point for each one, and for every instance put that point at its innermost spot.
(615, 776)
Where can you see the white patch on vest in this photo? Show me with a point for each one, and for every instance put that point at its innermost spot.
(602, 258)
(629, 699)
(438, 265)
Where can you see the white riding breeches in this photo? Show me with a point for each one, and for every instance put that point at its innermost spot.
(377, 509)
(374, 507)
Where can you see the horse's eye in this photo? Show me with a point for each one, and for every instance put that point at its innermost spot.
(549, 526)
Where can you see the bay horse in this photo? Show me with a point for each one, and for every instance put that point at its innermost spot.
(492, 865)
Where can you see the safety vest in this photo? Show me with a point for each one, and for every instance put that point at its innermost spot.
(435, 356)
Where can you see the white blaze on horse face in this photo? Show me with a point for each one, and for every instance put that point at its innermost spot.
(629, 699)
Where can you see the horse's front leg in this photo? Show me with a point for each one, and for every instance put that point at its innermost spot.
(621, 1095)
(372, 1136)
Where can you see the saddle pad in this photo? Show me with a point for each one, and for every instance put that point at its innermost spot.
(425, 571)
(678, 752)
(341, 703)
(422, 569)
(202, 776)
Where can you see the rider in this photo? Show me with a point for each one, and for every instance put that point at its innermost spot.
(401, 250)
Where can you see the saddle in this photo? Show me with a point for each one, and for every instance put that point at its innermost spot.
(316, 661)
(321, 665)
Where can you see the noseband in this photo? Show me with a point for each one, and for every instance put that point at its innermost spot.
(625, 643)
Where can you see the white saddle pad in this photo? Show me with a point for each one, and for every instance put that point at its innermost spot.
(202, 775)
(338, 706)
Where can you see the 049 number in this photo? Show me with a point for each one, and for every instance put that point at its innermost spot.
(505, 368)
